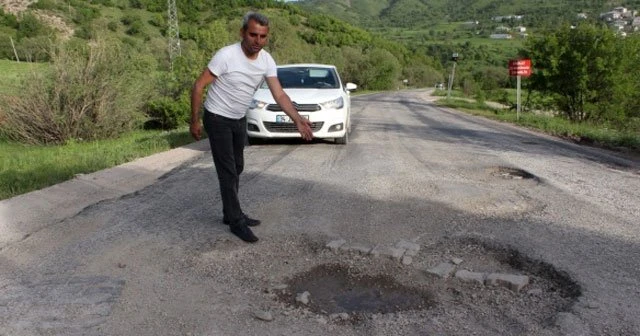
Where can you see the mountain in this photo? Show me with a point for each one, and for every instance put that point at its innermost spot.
(424, 13)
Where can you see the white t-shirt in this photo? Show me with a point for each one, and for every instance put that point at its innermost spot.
(238, 78)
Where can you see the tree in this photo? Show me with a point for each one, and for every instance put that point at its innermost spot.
(628, 84)
(382, 70)
(579, 67)
(30, 26)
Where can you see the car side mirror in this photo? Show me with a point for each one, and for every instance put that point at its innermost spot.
(351, 87)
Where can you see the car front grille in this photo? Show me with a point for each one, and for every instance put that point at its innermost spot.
(299, 107)
(274, 127)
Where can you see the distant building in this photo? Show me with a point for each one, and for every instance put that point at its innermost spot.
(610, 16)
(582, 16)
(619, 24)
(620, 10)
(520, 29)
(501, 36)
(507, 17)
(503, 29)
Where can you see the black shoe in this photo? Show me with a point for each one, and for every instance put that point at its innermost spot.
(243, 232)
(248, 221)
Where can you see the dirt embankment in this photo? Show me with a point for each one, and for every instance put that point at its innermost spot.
(17, 6)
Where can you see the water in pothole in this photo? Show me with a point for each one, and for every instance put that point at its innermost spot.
(334, 290)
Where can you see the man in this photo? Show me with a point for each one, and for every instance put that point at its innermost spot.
(233, 75)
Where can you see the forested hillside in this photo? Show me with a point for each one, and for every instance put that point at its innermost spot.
(426, 13)
(79, 38)
(76, 39)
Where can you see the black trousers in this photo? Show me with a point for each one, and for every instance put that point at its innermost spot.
(227, 138)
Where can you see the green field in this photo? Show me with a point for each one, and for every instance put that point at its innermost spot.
(12, 72)
(25, 168)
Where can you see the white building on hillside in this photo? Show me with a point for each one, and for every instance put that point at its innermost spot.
(620, 10)
(611, 16)
(507, 17)
(635, 24)
(501, 36)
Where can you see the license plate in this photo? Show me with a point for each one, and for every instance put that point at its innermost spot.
(283, 118)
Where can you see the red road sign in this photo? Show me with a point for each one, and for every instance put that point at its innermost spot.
(520, 67)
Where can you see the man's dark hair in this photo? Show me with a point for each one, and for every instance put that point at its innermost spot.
(257, 17)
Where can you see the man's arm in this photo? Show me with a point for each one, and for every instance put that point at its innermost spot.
(281, 97)
(206, 78)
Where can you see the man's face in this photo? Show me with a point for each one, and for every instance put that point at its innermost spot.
(254, 38)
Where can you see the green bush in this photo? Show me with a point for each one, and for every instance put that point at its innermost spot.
(481, 96)
(136, 4)
(131, 42)
(84, 32)
(44, 4)
(106, 3)
(135, 28)
(30, 26)
(157, 20)
(166, 113)
(6, 50)
(113, 26)
(34, 49)
(129, 19)
(85, 15)
(8, 20)
(90, 92)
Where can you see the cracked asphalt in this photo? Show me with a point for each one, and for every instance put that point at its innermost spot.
(141, 250)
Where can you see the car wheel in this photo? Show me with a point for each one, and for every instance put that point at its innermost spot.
(252, 141)
(343, 140)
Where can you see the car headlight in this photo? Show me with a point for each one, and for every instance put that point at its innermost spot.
(333, 104)
(257, 104)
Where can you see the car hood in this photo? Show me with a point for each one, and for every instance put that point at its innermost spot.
(301, 96)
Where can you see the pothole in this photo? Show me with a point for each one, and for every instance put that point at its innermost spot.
(511, 173)
(334, 289)
(545, 276)
(381, 292)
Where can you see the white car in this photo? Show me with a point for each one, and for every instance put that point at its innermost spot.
(319, 95)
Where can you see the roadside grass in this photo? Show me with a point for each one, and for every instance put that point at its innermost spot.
(579, 132)
(12, 72)
(25, 168)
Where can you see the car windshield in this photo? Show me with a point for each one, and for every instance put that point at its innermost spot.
(307, 78)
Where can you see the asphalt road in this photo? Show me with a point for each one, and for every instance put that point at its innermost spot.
(158, 261)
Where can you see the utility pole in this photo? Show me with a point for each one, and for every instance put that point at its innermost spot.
(173, 33)
(454, 58)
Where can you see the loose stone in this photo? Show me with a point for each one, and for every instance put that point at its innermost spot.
(513, 282)
(303, 297)
(468, 276)
(334, 245)
(263, 315)
(443, 270)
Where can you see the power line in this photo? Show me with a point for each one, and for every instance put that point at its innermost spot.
(173, 32)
